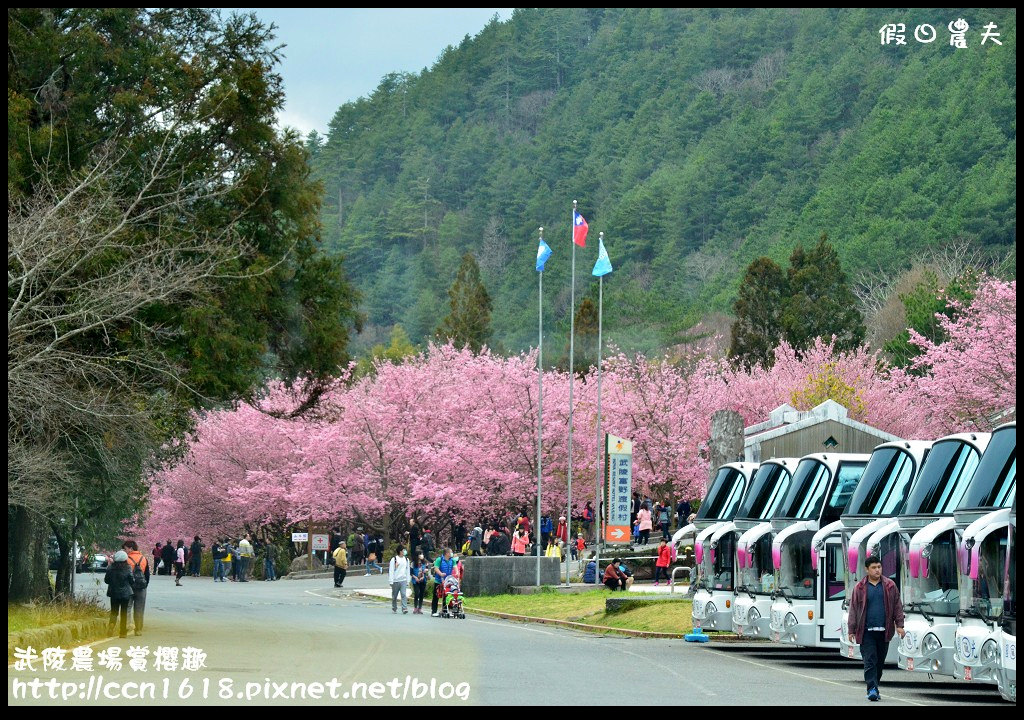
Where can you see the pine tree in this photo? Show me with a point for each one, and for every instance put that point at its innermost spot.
(820, 302)
(758, 327)
(585, 350)
(927, 305)
(469, 322)
(399, 349)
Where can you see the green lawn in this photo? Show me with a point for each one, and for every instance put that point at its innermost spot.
(588, 608)
(29, 617)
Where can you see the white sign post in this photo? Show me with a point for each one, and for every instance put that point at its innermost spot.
(619, 464)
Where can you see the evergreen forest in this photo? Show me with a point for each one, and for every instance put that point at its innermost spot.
(697, 140)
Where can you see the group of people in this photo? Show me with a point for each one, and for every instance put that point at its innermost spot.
(402, 573)
(168, 558)
(231, 559)
(648, 515)
(618, 576)
(234, 560)
(508, 536)
(360, 547)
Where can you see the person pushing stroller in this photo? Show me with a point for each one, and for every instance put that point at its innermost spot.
(444, 566)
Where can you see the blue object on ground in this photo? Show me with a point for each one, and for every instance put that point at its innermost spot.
(696, 637)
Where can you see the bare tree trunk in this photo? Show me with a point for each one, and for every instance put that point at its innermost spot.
(27, 575)
(726, 438)
(65, 564)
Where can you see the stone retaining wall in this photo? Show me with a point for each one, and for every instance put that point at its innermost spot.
(497, 575)
(62, 635)
(620, 603)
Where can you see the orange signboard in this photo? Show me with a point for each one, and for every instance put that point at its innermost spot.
(616, 533)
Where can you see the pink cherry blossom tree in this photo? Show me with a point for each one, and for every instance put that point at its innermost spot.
(972, 374)
(449, 435)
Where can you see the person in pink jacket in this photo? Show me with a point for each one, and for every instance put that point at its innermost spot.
(520, 539)
(663, 561)
(644, 518)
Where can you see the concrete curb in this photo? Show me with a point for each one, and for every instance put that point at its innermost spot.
(62, 635)
(622, 603)
(353, 570)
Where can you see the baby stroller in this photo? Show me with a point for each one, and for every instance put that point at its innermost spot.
(451, 599)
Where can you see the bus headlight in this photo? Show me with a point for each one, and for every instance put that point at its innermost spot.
(753, 616)
(710, 609)
(791, 621)
(990, 653)
(930, 644)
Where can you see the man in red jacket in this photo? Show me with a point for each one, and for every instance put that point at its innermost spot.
(876, 614)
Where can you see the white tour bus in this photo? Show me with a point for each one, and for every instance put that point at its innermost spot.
(718, 508)
(1007, 679)
(931, 598)
(807, 606)
(981, 531)
(869, 526)
(752, 538)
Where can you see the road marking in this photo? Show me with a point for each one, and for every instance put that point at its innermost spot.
(519, 626)
(773, 668)
(373, 647)
(687, 680)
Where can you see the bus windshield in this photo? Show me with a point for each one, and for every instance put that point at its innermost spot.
(725, 558)
(1010, 576)
(848, 476)
(994, 484)
(983, 597)
(944, 478)
(938, 593)
(724, 496)
(759, 577)
(884, 487)
(766, 493)
(806, 492)
(796, 575)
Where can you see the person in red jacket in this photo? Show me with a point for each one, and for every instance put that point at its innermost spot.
(524, 523)
(663, 561)
(876, 614)
(614, 579)
(562, 532)
(578, 546)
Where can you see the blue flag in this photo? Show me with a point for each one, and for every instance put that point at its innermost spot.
(543, 253)
(603, 266)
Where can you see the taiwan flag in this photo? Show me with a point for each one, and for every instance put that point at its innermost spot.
(579, 229)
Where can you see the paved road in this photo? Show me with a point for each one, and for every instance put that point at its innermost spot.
(306, 632)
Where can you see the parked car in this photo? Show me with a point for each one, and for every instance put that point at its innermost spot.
(97, 562)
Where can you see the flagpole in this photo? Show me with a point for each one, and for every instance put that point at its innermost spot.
(572, 341)
(598, 514)
(540, 403)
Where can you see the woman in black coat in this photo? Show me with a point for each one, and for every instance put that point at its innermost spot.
(120, 590)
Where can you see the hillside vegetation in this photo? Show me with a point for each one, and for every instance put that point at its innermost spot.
(697, 140)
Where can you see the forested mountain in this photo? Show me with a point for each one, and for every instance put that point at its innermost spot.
(697, 140)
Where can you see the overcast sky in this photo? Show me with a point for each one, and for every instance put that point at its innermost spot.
(333, 56)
